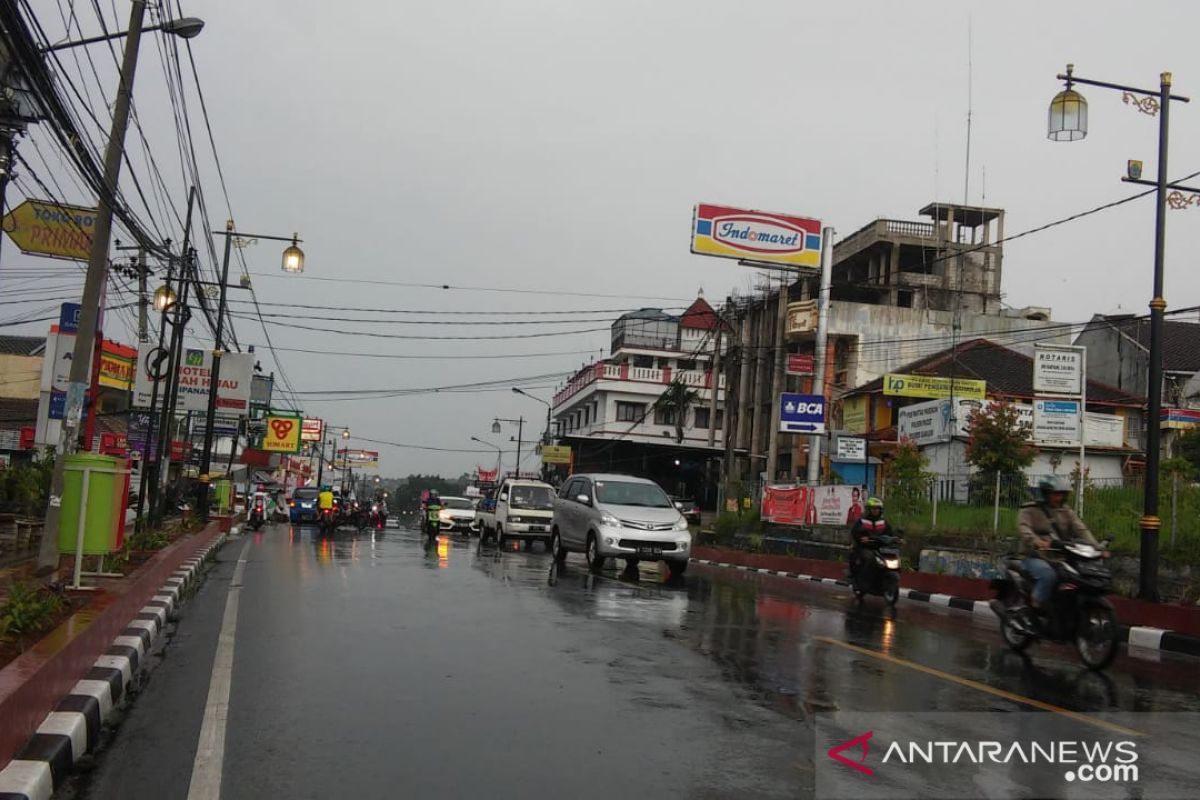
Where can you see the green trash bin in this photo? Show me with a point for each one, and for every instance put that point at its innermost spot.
(104, 507)
(223, 496)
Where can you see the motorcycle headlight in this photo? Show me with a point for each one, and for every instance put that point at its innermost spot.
(682, 524)
(892, 563)
(608, 519)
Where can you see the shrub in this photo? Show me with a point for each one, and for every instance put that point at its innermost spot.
(28, 608)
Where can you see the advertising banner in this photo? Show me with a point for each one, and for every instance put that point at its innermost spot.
(756, 236)
(556, 454)
(1058, 369)
(44, 228)
(1056, 422)
(357, 459)
(282, 434)
(788, 505)
(839, 505)
(854, 414)
(801, 413)
(933, 386)
(800, 364)
(312, 429)
(116, 365)
(195, 378)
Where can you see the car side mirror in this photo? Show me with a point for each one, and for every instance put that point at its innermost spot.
(583, 498)
(504, 498)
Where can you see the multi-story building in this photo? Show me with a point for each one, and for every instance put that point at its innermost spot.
(900, 291)
(612, 415)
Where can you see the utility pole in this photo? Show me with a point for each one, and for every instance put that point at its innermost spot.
(777, 378)
(715, 388)
(214, 386)
(814, 442)
(93, 288)
(143, 297)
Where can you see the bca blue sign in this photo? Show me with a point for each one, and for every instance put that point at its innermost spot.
(801, 413)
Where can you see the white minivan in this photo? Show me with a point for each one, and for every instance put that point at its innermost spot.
(524, 510)
(619, 516)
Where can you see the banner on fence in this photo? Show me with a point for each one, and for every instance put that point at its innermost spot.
(813, 505)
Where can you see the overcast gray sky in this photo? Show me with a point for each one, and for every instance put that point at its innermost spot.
(560, 146)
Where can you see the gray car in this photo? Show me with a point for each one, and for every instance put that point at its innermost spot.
(619, 516)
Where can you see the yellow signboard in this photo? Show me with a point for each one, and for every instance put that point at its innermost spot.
(556, 454)
(51, 229)
(854, 414)
(933, 387)
(283, 434)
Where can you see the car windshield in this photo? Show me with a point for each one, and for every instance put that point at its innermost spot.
(531, 497)
(457, 502)
(626, 493)
(305, 494)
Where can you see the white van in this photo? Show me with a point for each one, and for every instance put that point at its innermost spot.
(524, 510)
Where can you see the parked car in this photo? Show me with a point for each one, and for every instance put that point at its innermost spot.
(689, 509)
(457, 515)
(302, 506)
(619, 516)
(522, 509)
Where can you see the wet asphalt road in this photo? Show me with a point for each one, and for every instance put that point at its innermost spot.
(369, 666)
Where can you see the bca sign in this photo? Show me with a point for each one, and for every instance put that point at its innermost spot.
(801, 413)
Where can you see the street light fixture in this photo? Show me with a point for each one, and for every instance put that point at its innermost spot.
(1068, 123)
(293, 256)
(184, 28)
(499, 453)
(164, 298)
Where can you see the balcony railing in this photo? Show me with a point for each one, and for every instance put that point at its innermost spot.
(601, 370)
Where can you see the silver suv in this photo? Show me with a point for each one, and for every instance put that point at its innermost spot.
(619, 516)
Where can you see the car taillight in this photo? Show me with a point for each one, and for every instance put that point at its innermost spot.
(291, 503)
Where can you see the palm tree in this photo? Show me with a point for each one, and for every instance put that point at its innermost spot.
(675, 403)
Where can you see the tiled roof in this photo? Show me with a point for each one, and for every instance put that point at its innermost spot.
(1181, 340)
(1007, 372)
(22, 345)
(17, 413)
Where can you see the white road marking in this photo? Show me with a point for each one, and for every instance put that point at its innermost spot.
(210, 752)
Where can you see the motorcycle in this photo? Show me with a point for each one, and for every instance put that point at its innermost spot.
(879, 571)
(433, 521)
(1078, 612)
(327, 521)
(258, 514)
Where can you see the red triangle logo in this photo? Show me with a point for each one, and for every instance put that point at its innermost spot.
(861, 740)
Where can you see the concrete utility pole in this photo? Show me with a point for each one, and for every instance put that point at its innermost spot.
(777, 379)
(143, 297)
(814, 442)
(715, 389)
(93, 287)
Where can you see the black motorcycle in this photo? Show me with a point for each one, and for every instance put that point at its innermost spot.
(258, 515)
(1078, 612)
(878, 570)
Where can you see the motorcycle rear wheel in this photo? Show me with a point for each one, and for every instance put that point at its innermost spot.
(1096, 636)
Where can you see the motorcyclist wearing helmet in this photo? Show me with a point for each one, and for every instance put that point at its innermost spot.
(325, 498)
(1040, 522)
(867, 527)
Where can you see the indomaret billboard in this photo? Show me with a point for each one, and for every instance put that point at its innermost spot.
(756, 236)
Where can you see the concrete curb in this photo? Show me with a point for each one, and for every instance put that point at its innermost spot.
(73, 728)
(1136, 636)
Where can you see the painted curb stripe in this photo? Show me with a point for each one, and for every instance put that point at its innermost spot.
(71, 724)
(120, 663)
(114, 677)
(53, 748)
(128, 652)
(89, 707)
(100, 690)
(132, 642)
(1137, 636)
(30, 779)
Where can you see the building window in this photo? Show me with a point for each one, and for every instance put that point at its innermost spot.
(596, 411)
(701, 418)
(630, 412)
(664, 416)
(587, 412)
(644, 361)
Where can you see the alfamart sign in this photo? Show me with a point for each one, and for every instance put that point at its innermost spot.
(756, 236)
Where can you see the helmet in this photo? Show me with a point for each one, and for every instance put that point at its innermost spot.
(874, 503)
(1049, 484)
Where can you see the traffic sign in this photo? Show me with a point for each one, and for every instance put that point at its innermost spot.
(801, 413)
(58, 230)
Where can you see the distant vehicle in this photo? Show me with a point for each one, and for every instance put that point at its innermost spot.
(522, 509)
(688, 508)
(457, 515)
(619, 516)
(302, 507)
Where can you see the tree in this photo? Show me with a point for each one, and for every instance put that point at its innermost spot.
(908, 481)
(675, 403)
(998, 442)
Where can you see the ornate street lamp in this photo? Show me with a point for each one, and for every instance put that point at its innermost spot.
(293, 256)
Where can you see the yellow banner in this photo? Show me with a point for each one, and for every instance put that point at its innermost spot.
(283, 435)
(854, 414)
(116, 370)
(556, 454)
(933, 387)
(51, 229)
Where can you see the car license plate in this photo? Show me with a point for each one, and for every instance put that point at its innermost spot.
(537, 528)
(649, 551)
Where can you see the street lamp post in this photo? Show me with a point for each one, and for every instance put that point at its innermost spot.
(1068, 123)
(499, 453)
(520, 423)
(293, 261)
(546, 434)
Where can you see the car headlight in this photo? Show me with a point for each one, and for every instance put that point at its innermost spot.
(608, 519)
(892, 563)
(682, 524)
(444, 516)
